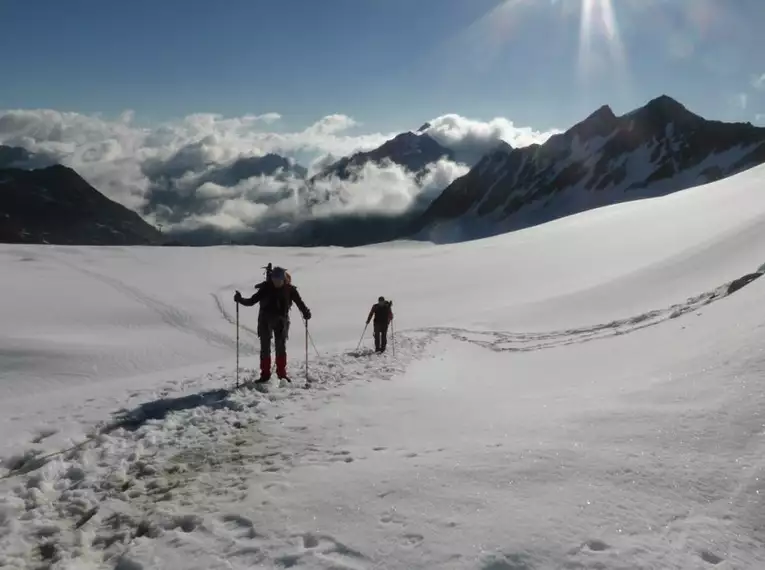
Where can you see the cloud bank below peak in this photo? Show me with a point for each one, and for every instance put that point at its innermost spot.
(194, 173)
(471, 139)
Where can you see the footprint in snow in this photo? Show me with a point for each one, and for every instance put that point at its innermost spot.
(593, 545)
(392, 517)
(44, 434)
(238, 526)
(596, 545)
(342, 456)
(326, 549)
(710, 557)
(412, 539)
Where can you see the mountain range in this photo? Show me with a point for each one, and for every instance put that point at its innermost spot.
(654, 150)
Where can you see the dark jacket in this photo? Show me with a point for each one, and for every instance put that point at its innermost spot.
(382, 313)
(276, 301)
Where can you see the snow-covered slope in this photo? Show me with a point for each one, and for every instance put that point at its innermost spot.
(581, 394)
(652, 151)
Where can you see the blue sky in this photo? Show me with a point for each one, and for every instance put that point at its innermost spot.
(390, 64)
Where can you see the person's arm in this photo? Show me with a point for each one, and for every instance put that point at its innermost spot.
(248, 302)
(299, 302)
(371, 313)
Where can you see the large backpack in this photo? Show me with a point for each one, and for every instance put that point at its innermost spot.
(382, 312)
(287, 281)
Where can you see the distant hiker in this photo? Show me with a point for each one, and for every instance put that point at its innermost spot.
(382, 312)
(275, 296)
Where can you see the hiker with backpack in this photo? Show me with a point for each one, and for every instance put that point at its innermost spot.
(275, 295)
(382, 313)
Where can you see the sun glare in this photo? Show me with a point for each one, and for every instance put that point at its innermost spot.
(599, 38)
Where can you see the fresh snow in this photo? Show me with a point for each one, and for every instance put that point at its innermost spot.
(585, 394)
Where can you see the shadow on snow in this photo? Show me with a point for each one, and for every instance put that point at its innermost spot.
(159, 409)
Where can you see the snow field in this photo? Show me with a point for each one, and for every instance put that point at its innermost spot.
(585, 394)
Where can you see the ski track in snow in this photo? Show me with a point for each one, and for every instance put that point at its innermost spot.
(169, 467)
(522, 342)
(172, 316)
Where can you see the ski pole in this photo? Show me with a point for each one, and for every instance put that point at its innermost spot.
(393, 337)
(306, 349)
(318, 354)
(237, 345)
(362, 337)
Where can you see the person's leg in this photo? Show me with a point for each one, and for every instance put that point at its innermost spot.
(281, 333)
(264, 332)
(377, 337)
(383, 337)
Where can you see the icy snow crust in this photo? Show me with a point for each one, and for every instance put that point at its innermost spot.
(585, 394)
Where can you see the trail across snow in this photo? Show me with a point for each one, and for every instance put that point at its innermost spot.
(548, 405)
(168, 478)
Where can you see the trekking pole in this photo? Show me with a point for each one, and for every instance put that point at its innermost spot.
(306, 349)
(362, 337)
(316, 350)
(393, 337)
(237, 345)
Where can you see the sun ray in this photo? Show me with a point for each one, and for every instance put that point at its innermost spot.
(600, 42)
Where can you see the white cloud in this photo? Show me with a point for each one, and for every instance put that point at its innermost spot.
(758, 82)
(331, 124)
(472, 138)
(167, 171)
(387, 188)
(234, 214)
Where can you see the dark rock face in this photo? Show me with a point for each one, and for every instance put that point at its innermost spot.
(411, 150)
(742, 282)
(55, 205)
(266, 165)
(17, 157)
(655, 150)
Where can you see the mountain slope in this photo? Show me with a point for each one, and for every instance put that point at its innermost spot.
(413, 151)
(652, 151)
(18, 157)
(247, 167)
(55, 205)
